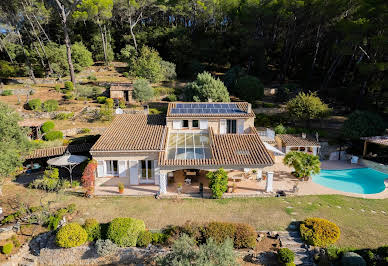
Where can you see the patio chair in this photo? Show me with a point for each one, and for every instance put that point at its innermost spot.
(188, 181)
(354, 160)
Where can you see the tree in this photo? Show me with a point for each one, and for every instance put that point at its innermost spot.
(14, 143)
(305, 164)
(218, 182)
(363, 124)
(98, 11)
(206, 88)
(307, 106)
(142, 90)
(147, 65)
(64, 11)
(249, 88)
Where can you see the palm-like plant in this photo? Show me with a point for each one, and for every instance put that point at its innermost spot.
(304, 164)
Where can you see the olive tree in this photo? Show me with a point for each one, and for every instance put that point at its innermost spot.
(206, 87)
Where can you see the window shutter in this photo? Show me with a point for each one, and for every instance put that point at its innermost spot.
(156, 172)
(100, 169)
(203, 124)
(134, 173)
(177, 124)
(223, 126)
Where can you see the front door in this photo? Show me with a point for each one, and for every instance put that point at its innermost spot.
(147, 175)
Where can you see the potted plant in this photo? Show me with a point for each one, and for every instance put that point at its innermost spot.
(121, 188)
(179, 188)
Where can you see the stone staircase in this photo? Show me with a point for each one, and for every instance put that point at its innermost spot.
(293, 241)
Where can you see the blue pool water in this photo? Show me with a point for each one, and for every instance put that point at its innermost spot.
(362, 180)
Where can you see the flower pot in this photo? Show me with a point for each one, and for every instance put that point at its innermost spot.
(121, 190)
(306, 178)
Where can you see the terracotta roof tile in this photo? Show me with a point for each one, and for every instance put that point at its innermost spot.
(229, 149)
(130, 132)
(241, 105)
(297, 140)
(56, 151)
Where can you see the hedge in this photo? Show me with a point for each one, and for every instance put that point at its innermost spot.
(245, 236)
(220, 231)
(53, 135)
(47, 126)
(35, 104)
(93, 229)
(125, 231)
(319, 232)
(71, 235)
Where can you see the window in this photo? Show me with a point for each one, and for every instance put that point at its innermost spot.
(185, 123)
(195, 123)
(147, 171)
(231, 126)
(112, 168)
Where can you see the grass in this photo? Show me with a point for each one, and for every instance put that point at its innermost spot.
(358, 229)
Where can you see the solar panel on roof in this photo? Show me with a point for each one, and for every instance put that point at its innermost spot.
(207, 110)
(197, 110)
(179, 105)
(224, 105)
(214, 111)
(223, 110)
(175, 111)
(232, 105)
(209, 105)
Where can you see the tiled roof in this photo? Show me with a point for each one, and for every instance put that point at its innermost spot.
(56, 151)
(229, 149)
(243, 106)
(381, 140)
(134, 132)
(121, 87)
(297, 140)
(30, 123)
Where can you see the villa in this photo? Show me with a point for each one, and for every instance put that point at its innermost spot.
(181, 146)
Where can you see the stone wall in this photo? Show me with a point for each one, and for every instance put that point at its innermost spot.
(377, 166)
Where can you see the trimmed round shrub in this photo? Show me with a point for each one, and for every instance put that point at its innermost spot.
(125, 231)
(101, 99)
(53, 135)
(319, 232)
(93, 229)
(7, 248)
(352, 259)
(286, 255)
(220, 231)
(105, 247)
(35, 104)
(50, 105)
(144, 239)
(249, 88)
(69, 86)
(71, 235)
(47, 126)
(245, 236)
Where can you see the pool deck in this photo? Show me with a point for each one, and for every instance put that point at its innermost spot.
(311, 188)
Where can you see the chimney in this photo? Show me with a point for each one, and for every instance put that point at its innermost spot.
(249, 108)
(303, 135)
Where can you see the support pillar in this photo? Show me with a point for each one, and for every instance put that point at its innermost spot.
(163, 183)
(365, 148)
(268, 187)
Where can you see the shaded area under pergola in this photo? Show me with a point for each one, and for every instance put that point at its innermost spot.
(67, 161)
(379, 140)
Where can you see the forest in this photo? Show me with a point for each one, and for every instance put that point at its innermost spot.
(338, 48)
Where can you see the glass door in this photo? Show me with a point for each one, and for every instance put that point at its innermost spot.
(147, 172)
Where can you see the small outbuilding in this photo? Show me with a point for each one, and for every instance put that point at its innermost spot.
(294, 142)
(34, 127)
(121, 91)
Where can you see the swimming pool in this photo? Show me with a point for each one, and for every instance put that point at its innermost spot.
(361, 180)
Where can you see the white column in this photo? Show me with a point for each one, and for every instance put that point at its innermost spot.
(268, 187)
(163, 183)
(259, 174)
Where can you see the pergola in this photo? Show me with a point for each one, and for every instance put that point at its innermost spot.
(380, 140)
(67, 161)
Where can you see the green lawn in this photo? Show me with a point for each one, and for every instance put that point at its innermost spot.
(368, 228)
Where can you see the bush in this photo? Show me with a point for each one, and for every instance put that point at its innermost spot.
(85, 130)
(101, 99)
(352, 259)
(71, 208)
(319, 232)
(53, 135)
(142, 90)
(218, 182)
(81, 56)
(6, 70)
(280, 129)
(383, 251)
(69, 86)
(154, 111)
(35, 104)
(88, 92)
(6, 93)
(286, 255)
(57, 88)
(109, 103)
(249, 88)
(7, 248)
(50, 105)
(171, 98)
(69, 96)
(122, 103)
(125, 231)
(147, 65)
(168, 70)
(220, 231)
(47, 126)
(64, 116)
(363, 124)
(92, 77)
(144, 239)
(71, 235)
(161, 91)
(105, 247)
(49, 182)
(159, 238)
(93, 229)
(245, 236)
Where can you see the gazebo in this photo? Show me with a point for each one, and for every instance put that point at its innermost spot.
(380, 140)
(67, 161)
